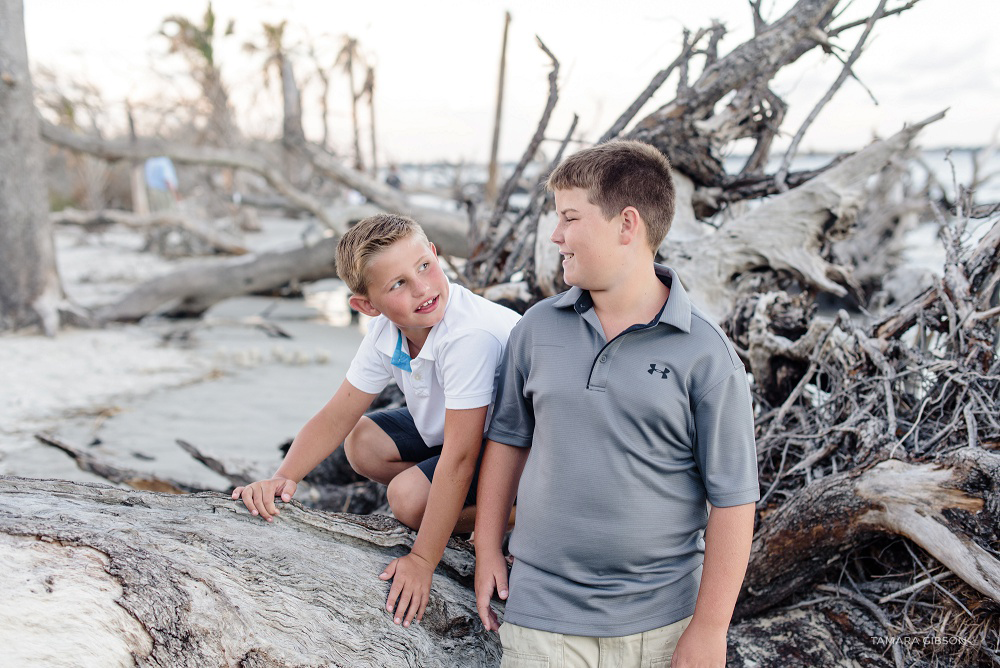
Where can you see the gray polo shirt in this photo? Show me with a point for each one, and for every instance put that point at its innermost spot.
(628, 438)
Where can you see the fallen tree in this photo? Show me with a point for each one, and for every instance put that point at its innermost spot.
(148, 579)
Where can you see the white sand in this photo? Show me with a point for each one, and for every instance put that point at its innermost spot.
(229, 389)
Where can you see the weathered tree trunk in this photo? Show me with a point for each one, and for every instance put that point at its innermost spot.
(102, 576)
(147, 222)
(292, 133)
(786, 232)
(494, 174)
(190, 292)
(30, 290)
(936, 505)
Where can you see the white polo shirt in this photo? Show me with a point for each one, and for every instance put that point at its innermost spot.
(457, 367)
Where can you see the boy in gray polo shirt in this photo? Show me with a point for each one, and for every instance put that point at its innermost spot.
(621, 411)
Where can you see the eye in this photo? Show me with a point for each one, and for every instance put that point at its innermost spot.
(397, 284)
(424, 266)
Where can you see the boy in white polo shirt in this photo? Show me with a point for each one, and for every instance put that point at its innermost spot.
(442, 345)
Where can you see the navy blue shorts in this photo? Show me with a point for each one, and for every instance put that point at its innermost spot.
(397, 423)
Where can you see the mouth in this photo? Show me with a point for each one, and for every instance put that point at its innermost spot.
(566, 255)
(428, 305)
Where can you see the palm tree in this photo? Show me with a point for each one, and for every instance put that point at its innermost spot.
(277, 58)
(196, 44)
(369, 90)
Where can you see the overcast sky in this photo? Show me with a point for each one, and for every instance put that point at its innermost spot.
(437, 64)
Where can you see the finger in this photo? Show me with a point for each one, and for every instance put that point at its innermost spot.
(288, 490)
(416, 603)
(394, 590)
(247, 497)
(267, 493)
(237, 492)
(423, 606)
(494, 624)
(483, 596)
(258, 501)
(501, 579)
(390, 570)
(404, 603)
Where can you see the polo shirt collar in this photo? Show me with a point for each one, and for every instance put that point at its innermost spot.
(677, 311)
(388, 338)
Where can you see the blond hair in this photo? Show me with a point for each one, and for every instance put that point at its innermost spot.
(623, 173)
(364, 241)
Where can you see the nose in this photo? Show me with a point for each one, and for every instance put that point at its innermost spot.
(420, 286)
(557, 234)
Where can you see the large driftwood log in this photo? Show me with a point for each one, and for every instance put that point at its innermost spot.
(190, 292)
(945, 507)
(98, 219)
(109, 577)
(785, 233)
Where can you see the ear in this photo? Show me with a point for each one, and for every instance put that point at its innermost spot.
(363, 305)
(630, 226)
(433, 248)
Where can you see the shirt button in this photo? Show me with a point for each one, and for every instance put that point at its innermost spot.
(604, 358)
(417, 376)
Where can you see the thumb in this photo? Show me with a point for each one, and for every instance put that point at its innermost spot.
(501, 579)
(287, 489)
(389, 571)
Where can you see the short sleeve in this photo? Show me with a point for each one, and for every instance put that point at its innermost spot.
(724, 442)
(513, 420)
(368, 370)
(467, 363)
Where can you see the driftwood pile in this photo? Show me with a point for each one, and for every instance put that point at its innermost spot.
(878, 532)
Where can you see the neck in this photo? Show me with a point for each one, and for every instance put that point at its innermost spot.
(634, 299)
(415, 338)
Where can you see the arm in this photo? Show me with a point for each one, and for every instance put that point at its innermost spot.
(498, 479)
(411, 575)
(727, 550)
(323, 434)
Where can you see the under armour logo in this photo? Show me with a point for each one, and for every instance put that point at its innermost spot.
(664, 372)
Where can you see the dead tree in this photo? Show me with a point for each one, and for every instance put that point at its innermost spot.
(149, 579)
(30, 290)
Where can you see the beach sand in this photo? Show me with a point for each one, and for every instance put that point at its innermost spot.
(125, 393)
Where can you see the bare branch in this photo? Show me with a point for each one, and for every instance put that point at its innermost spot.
(529, 153)
(651, 88)
(793, 148)
(833, 32)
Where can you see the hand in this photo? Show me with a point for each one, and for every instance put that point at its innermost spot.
(259, 496)
(411, 585)
(700, 647)
(491, 575)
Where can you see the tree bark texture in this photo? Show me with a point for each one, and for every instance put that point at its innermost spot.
(30, 290)
(948, 508)
(100, 576)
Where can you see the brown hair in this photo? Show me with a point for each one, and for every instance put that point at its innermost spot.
(367, 239)
(623, 173)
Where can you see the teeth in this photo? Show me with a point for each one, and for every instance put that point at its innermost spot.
(426, 303)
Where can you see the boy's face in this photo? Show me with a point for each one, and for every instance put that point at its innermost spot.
(586, 239)
(406, 284)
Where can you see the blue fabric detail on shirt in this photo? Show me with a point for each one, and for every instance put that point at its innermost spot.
(399, 358)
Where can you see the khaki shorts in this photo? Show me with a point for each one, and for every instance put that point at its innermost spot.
(530, 648)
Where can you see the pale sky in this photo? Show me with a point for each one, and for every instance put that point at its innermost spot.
(437, 65)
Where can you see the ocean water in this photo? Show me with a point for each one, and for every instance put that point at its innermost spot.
(947, 169)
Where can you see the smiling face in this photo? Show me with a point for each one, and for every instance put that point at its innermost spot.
(589, 243)
(407, 285)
